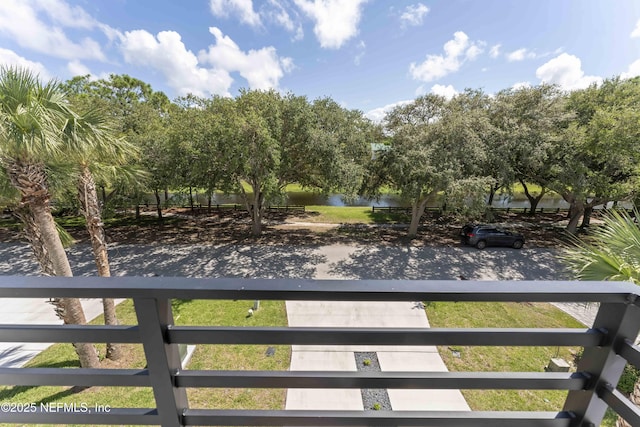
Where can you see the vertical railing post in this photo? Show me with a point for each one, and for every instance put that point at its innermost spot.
(620, 321)
(163, 359)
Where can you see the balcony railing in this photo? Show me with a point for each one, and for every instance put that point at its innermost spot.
(608, 345)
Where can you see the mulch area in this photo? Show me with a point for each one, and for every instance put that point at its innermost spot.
(181, 226)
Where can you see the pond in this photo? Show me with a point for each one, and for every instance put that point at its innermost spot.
(551, 201)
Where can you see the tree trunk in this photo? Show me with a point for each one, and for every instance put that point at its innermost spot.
(256, 213)
(93, 218)
(209, 197)
(190, 198)
(576, 210)
(586, 217)
(104, 195)
(158, 205)
(533, 200)
(166, 197)
(34, 237)
(30, 180)
(492, 192)
(137, 211)
(417, 210)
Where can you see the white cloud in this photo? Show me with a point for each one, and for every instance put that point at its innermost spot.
(475, 50)
(10, 58)
(636, 31)
(287, 64)
(20, 21)
(377, 114)
(242, 8)
(414, 14)
(520, 85)
(494, 52)
(456, 52)
(179, 66)
(73, 17)
(632, 71)
(361, 51)
(279, 15)
(336, 21)
(261, 68)
(77, 68)
(520, 55)
(566, 71)
(446, 91)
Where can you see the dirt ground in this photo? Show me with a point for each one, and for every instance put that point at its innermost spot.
(181, 226)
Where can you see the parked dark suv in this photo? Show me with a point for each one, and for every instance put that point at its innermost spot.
(482, 236)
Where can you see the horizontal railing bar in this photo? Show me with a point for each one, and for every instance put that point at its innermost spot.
(70, 333)
(385, 336)
(396, 380)
(75, 377)
(619, 403)
(318, 290)
(112, 416)
(375, 418)
(631, 352)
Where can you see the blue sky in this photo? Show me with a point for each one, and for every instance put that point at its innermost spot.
(367, 55)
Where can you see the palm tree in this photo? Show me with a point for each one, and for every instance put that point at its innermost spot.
(91, 143)
(612, 254)
(32, 116)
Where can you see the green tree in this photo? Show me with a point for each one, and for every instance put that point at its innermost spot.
(279, 140)
(93, 148)
(141, 116)
(528, 122)
(33, 117)
(198, 130)
(612, 253)
(435, 145)
(597, 155)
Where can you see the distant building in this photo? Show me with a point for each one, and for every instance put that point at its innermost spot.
(377, 147)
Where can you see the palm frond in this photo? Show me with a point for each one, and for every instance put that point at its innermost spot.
(613, 252)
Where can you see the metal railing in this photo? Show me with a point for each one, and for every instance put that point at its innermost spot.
(608, 344)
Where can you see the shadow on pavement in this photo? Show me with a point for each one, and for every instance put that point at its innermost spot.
(298, 261)
(449, 263)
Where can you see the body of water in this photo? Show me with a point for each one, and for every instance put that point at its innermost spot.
(552, 201)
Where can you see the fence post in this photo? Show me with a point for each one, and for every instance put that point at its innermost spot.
(163, 359)
(620, 321)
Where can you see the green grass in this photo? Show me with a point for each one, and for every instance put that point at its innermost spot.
(507, 359)
(353, 215)
(225, 357)
(339, 214)
(518, 189)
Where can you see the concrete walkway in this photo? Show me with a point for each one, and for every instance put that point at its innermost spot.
(33, 311)
(341, 358)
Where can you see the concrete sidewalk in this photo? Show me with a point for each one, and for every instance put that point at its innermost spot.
(341, 358)
(33, 311)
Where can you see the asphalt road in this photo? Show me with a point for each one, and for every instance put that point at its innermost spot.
(283, 261)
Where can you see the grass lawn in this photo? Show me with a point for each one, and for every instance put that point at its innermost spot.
(508, 359)
(231, 357)
(352, 215)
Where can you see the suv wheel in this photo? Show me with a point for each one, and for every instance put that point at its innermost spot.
(518, 244)
(481, 244)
